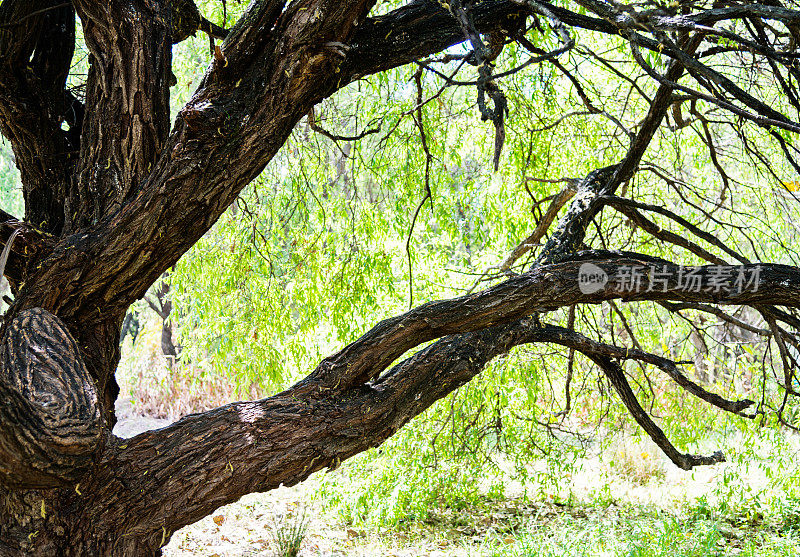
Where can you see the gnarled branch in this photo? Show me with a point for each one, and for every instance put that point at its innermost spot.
(52, 428)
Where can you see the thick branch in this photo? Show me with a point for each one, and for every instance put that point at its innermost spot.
(127, 97)
(37, 39)
(210, 459)
(207, 460)
(224, 136)
(137, 204)
(423, 28)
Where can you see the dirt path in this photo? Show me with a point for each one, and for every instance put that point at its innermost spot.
(130, 424)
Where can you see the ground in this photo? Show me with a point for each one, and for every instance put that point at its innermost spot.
(640, 505)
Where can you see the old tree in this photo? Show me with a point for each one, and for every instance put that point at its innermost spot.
(116, 189)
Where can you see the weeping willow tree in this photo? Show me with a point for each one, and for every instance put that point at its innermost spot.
(115, 195)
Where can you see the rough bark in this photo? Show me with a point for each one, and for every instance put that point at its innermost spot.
(43, 375)
(128, 90)
(144, 483)
(36, 51)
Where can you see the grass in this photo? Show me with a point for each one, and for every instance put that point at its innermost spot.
(289, 533)
(611, 521)
(586, 530)
(642, 533)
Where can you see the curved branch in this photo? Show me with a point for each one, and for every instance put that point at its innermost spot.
(616, 201)
(593, 349)
(666, 235)
(207, 460)
(546, 288)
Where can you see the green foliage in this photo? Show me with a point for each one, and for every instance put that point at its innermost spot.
(10, 191)
(471, 448)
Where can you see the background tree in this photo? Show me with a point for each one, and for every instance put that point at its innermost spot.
(162, 306)
(114, 196)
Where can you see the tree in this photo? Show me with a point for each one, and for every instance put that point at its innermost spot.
(114, 196)
(162, 306)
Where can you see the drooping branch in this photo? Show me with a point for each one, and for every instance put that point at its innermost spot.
(616, 375)
(544, 288)
(593, 349)
(145, 198)
(148, 198)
